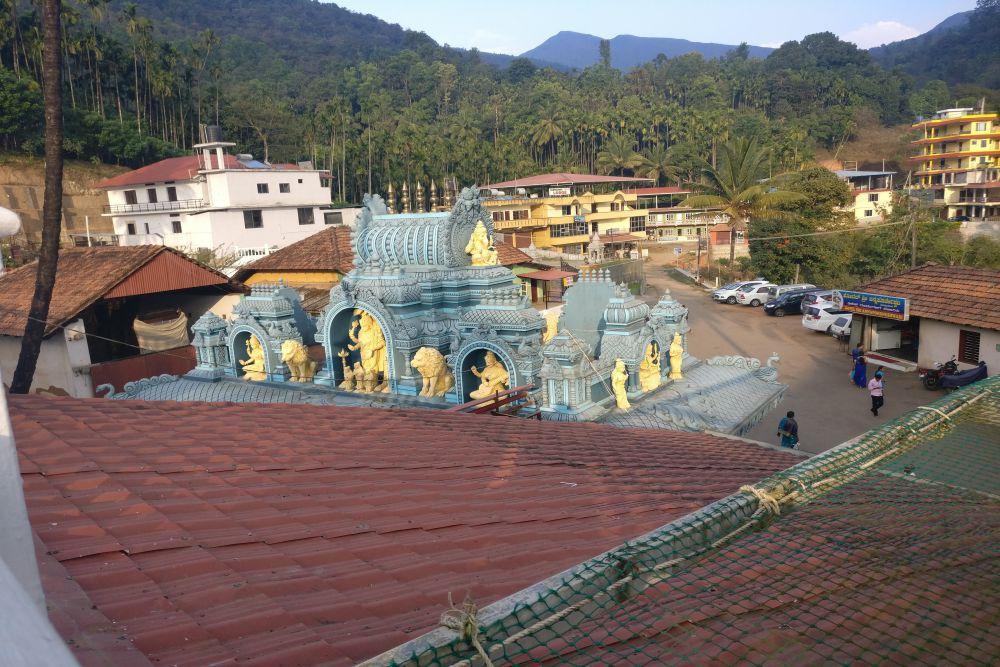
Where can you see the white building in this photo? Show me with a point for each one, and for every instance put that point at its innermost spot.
(872, 193)
(220, 202)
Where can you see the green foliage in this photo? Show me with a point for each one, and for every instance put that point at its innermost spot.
(933, 96)
(20, 110)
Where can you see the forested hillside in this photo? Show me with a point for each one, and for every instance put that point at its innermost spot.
(965, 49)
(296, 79)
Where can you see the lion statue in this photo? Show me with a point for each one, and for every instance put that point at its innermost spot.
(295, 355)
(432, 367)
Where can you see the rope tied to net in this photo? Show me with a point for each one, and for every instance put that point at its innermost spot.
(464, 622)
(766, 500)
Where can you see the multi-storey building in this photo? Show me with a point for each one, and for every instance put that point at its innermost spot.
(670, 221)
(871, 191)
(220, 202)
(957, 157)
(563, 212)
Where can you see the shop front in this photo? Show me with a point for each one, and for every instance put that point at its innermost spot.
(882, 324)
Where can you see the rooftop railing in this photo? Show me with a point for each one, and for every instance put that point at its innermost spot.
(151, 207)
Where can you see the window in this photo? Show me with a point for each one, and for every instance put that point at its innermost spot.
(637, 223)
(171, 194)
(262, 188)
(593, 208)
(569, 229)
(869, 213)
(151, 193)
(873, 197)
(497, 216)
(567, 210)
(739, 236)
(333, 218)
(968, 346)
(300, 180)
(616, 206)
(130, 197)
(253, 219)
(176, 224)
(306, 216)
(521, 215)
(130, 228)
(146, 227)
(284, 187)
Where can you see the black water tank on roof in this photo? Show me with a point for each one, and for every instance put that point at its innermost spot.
(213, 134)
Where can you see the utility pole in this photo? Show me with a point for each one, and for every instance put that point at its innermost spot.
(913, 242)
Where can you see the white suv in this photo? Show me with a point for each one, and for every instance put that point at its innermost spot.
(727, 293)
(753, 295)
(821, 316)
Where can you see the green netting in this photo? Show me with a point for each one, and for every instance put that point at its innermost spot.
(882, 549)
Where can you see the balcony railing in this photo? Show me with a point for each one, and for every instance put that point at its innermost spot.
(151, 207)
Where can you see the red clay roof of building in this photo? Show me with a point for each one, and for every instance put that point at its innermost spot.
(295, 534)
(85, 275)
(564, 178)
(331, 250)
(548, 274)
(182, 168)
(327, 250)
(956, 294)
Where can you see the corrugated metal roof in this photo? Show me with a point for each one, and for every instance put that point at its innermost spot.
(563, 178)
(166, 272)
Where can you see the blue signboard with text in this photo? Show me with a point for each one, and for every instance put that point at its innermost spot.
(875, 305)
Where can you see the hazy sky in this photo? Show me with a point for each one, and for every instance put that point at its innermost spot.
(515, 26)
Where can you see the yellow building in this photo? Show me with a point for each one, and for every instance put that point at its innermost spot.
(562, 212)
(957, 157)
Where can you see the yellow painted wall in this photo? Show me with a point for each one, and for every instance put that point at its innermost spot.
(295, 278)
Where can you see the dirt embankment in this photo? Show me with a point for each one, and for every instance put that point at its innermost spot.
(22, 190)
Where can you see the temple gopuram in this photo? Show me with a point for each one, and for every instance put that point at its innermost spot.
(427, 318)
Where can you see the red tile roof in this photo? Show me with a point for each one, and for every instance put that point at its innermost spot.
(182, 168)
(327, 250)
(331, 250)
(294, 534)
(563, 178)
(548, 274)
(85, 275)
(956, 294)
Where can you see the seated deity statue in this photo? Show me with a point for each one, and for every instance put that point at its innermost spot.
(480, 247)
(253, 365)
(493, 378)
(348, 383)
(649, 369)
(619, 385)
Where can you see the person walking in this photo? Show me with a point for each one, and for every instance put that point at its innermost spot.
(858, 351)
(860, 373)
(788, 429)
(875, 388)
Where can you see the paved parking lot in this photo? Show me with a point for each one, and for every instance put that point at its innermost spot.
(828, 407)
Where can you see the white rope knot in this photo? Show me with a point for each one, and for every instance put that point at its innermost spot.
(464, 622)
(766, 500)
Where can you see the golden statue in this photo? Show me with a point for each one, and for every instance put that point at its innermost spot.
(649, 369)
(480, 247)
(551, 327)
(493, 378)
(366, 336)
(253, 366)
(619, 385)
(676, 353)
(295, 355)
(434, 370)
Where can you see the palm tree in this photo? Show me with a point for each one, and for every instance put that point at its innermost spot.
(48, 255)
(618, 154)
(655, 163)
(735, 186)
(547, 132)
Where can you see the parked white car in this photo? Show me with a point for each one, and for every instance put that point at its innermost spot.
(841, 327)
(753, 295)
(821, 316)
(727, 293)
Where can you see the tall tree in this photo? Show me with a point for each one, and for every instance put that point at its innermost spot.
(48, 256)
(605, 47)
(656, 162)
(618, 154)
(735, 186)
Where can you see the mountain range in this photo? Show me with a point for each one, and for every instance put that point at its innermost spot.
(575, 50)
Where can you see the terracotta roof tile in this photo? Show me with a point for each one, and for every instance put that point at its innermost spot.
(83, 276)
(957, 294)
(332, 534)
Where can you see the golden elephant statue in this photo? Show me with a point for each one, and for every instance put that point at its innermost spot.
(295, 355)
(433, 369)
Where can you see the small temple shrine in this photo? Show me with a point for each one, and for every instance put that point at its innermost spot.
(427, 318)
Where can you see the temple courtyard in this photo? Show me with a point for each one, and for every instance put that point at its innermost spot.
(828, 408)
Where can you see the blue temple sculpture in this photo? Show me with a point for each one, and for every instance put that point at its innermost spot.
(427, 318)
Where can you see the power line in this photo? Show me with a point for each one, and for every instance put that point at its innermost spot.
(832, 231)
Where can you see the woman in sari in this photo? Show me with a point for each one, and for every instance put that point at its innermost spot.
(860, 373)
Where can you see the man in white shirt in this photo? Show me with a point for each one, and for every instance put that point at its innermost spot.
(875, 387)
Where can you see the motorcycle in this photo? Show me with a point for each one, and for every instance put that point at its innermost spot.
(963, 378)
(932, 376)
